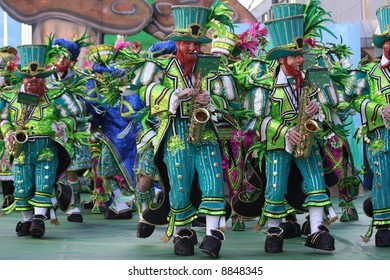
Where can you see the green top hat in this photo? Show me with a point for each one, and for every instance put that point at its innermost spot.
(287, 10)
(189, 24)
(32, 61)
(286, 30)
(383, 16)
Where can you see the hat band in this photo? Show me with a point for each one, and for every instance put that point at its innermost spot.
(194, 30)
(33, 68)
(222, 45)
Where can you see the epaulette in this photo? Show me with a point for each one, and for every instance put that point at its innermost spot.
(53, 93)
(8, 93)
(265, 81)
(163, 61)
(367, 67)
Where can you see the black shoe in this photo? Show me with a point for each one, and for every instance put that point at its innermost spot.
(321, 240)
(290, 229)
(144, 230)
(87, 205)
(211, 244)
(75, 218)
(37, 228)
(23, 228)
(8, 200)
(305, 231)
(274, 240)
(122, 215)
(382, 237)
(184, 242)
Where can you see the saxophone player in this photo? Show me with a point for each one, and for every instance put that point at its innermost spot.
(277, 108)
(169, 95)
(44, 117)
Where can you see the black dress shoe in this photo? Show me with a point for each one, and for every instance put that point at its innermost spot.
(75, 218)
(37, 228)
(184, 242)
(321, 240)
(382, 237)
(23, 228)
(110, 214)
(274, 240)
(87, 205)
(144, 230)
(290, 229)
(211, 244)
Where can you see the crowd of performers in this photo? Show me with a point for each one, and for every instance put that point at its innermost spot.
(198, 129)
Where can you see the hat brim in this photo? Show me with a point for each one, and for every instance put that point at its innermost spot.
(39, 74)
(184, 37)
(378, 40)
(279, 52)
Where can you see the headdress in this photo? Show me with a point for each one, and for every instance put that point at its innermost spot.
(383, 16)
(191, 23)
(286, 30)
(73, 47)
(32, 61)
(293, 25)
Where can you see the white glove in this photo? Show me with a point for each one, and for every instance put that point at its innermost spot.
(59, 129)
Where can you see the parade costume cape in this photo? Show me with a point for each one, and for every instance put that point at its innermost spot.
(109, 122)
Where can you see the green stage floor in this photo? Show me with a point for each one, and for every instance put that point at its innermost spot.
(100, 239)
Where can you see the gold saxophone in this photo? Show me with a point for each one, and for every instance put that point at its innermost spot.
(306, 127)
(198, 115)
(21, 135)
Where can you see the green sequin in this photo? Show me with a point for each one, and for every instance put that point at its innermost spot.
(175, 143)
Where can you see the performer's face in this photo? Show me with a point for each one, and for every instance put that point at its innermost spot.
(63, 64)
(34, 85)
(186, 54)
(293, 64)
(188, 48)
(386, 49)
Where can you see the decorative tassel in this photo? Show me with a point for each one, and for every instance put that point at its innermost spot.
(169, 232)
(222, 229)
(53, 217)
(8, 210)
(260, 224)
(165, 239)
(258, 228)
(54, 222)
(368, 235)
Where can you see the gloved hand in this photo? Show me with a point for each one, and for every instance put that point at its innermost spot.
(59, 129)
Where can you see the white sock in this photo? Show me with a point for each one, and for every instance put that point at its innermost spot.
(144, 206)
(222, 222)
(274, 222)
(73, 210)
(212, 222)
(119, 206)
(315, 214)
(332, 213)
(40, 211)
(27, 215)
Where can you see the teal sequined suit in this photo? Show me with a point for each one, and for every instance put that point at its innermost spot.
(43, 156)
(276, 105)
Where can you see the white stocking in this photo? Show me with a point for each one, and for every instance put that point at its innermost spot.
(315, 214)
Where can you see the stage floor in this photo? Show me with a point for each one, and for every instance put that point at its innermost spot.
(100, 239)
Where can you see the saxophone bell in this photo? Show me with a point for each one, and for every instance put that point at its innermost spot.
(21, 136)
(200, 117)
(312, 126)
